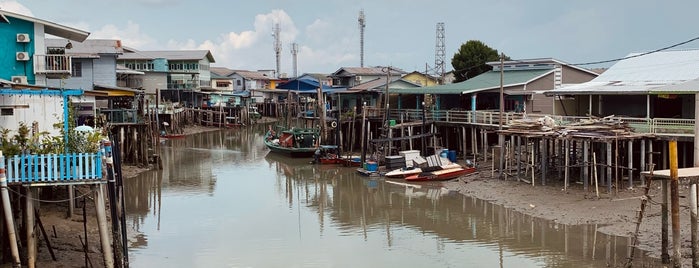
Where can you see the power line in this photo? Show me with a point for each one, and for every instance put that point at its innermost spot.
(638, 55)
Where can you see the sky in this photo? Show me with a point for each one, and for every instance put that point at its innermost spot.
(398, 33)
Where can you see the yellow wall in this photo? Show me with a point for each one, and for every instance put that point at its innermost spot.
(420, 79)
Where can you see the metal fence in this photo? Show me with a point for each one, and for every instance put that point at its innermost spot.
(657, 126)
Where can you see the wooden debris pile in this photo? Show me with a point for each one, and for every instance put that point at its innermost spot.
(591, 127)
(595, 126)
(543, 124)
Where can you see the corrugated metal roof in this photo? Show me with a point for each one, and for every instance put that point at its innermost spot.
(168, 54)
(222, 71)
(51, 28)
(352, 71)
(654, 73)
(253, 75)
(87, 47)
(484, 81)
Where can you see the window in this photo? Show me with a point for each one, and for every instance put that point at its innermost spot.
(77, 69)
(7, 111)
(237, 82)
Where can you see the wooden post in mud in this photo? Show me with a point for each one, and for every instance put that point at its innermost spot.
(594, 172)
(585, 166)
(31, 237)
(361, 141)
(630, 159)
(9, 219)
(566, 169)
(102, 225)
(609, 176)
(544, 160)
(693, 216)
(675, 205)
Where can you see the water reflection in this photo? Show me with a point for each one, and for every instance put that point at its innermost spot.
(277, 211)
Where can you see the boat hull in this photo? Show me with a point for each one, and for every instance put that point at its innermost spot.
(441, 175)
(297, 143)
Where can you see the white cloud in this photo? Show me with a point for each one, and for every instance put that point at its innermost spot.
(130, 36)
(15, 7)
(250, 49)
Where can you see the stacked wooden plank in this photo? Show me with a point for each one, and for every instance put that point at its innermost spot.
(595, 126)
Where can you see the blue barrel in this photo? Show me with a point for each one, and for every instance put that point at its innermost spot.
(371, 166)
(444, 153)
(452, 155)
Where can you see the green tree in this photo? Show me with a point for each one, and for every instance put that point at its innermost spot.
(470, 60)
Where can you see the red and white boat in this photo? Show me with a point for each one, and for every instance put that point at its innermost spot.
(441, 175)
(409, 171)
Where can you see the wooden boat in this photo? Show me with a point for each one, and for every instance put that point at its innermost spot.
(350, 161)
(172, 136)
(329, 154)
(295, 142)
(409, 171)
(441, 175)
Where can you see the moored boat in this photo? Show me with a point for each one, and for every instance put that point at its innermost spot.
(409, 171)
(441, 175)
(294, 142)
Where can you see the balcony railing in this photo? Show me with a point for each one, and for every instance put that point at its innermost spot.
(52, 64)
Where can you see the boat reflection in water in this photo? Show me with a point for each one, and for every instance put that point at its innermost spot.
(222, 200)
(364, 206)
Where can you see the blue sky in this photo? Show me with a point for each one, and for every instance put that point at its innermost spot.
(399, 33)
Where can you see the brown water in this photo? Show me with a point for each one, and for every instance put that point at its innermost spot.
(223, 201)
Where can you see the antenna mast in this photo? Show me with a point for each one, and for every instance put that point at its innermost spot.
(439, 54)
(362, 25)
(294, 53)
(277, 46)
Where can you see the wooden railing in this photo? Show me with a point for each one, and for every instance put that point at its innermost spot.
(657, 126)
(54, 168)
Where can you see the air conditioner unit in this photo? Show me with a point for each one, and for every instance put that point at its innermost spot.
(22, 56)
(23, 38)
(358, 78)
(19, 79)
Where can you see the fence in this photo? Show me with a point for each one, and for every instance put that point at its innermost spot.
(54, 168)
(657, 126)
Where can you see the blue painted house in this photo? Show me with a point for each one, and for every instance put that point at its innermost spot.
(26, 61)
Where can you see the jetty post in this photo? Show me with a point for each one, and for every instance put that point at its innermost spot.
(675, 205)
(9, 220)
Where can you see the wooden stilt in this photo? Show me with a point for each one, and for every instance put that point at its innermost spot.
(664, 234)
(31, 236)
(544, 160)
(630, 163)
(594, 172)
(566, 154)
(642, 157)
(693, 217)
(609, 167)
(71, 201)
(675, 205)
(586, 165)
(9, 219)
(102, 226)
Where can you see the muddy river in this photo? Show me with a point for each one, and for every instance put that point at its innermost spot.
(222, 200)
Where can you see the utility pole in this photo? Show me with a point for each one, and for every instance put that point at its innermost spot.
(277, 46)
(294, 53)
(439, 53)
(362, 25)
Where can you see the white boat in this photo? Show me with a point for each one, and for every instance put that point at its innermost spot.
(409, 171)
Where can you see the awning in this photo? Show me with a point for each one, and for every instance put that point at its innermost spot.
(115, 91)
